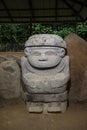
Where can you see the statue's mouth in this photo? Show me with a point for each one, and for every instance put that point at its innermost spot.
(42, 60)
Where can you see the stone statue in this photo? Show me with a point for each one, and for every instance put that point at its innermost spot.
(45, 73)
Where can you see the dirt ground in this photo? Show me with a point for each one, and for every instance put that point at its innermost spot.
(14, 116)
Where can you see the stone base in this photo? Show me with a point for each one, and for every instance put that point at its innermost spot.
(39, 107)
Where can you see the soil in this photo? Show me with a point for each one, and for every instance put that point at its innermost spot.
(14, 116)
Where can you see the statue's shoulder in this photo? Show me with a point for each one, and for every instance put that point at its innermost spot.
(66, 59)
(23, 60)
(23, 64)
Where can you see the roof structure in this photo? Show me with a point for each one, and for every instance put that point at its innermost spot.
(42, 11)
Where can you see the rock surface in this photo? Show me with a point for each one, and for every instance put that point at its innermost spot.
(77, 50)
(9, 78)
(40, 107)
(45, 73)
(48, 97)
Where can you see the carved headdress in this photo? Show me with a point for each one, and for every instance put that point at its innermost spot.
(40, 40)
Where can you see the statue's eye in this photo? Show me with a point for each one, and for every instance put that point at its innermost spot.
(51, 53)
(36, 53)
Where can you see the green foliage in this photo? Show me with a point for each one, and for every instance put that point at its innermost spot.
(82, 29)
(16, 34)
(13, 33)
(38, 28)
(64, 32)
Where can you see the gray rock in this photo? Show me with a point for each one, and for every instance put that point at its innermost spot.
(57, 107)
(34, 107)
(45, 72)
(47, 97)
(39, 107)
(9, 79)
(2, 58)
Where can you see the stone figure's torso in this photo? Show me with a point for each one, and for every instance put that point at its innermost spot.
(47, 81)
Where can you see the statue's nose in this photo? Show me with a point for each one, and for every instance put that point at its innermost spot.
(43, 58)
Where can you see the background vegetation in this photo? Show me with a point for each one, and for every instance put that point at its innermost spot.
(13, 36)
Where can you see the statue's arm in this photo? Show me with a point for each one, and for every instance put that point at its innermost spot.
(23, 65)
(67, 69)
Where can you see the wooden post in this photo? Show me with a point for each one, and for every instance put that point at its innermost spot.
(30, 26)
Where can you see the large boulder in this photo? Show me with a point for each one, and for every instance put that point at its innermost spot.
(77, 50)
(9, 78)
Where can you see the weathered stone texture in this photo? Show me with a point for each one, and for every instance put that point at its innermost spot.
(48, 97)
(77, 50)
(40, 107)
(45, 73)
(9, 78)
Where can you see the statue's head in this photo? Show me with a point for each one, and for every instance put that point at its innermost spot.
(45, 50)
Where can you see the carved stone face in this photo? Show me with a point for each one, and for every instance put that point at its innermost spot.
(44, 57)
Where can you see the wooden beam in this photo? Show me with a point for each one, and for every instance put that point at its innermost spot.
(80, 2)
(32, 14)
(31, 8)
(56, 8)
(75, 12)
(26, 17)
(86, 19)
(35, 9)
(7, 10)
(44, 22)
(81, 8)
